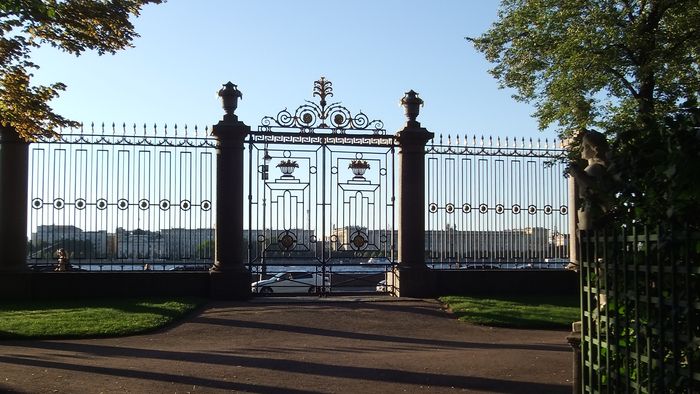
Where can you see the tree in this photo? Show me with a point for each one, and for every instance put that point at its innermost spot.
(73, 26)
(206, 249)
(628, 68)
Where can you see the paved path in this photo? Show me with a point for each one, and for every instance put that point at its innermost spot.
(310, 345)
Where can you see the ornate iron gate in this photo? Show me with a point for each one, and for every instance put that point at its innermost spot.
(321, 197)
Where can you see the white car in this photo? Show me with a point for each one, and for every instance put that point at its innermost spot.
(292, 282)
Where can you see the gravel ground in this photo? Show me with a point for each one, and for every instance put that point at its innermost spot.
(295, 345)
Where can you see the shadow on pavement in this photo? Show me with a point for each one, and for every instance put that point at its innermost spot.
(351, 372)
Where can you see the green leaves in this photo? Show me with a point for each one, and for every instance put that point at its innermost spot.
(581, 61)
(74, 26)
(627, 68)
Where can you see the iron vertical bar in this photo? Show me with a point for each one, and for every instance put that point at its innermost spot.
(676, 307)
(605, 296)
(660, 308)
(648, 326)
(393, 207)
(324, 257)
(691, 237)
(250, 205)
(585, 311)
(623, 325)
(595, 261)
(585, 246)
(637, 323)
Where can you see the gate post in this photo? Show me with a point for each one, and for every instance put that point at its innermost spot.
(412, 278)
(14, 173)
(229, 278)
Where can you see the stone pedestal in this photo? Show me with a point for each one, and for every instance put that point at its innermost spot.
(574, 340)
(14, 167)
(412, 278)
(412, 281)
(230, 284)
(229, 278)
(229, 194)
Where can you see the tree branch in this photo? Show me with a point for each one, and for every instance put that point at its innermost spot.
(624, 81)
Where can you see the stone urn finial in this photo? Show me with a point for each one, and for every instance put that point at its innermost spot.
(229, 97)
(411, 103)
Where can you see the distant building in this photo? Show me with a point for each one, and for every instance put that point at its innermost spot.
(531, 243)
(50, 234)
(139, 244)
(98, 241)
(180, 243)
(48, 238)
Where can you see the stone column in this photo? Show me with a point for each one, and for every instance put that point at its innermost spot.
(14, 168)
(573, 209)
(229, 278)
(573, 228)
(412, 278)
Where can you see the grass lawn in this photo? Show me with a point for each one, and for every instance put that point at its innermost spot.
(516, 311)
(90, 318)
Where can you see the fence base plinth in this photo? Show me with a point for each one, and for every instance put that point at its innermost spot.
(410, 281)
(15, 285)
(230, 285)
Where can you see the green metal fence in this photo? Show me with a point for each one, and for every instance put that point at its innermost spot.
(640, 310)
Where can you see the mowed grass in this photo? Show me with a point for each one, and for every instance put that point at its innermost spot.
(516, 311)
(90, 318)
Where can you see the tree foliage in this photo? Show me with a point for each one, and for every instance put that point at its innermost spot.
(628, 68)
(74, 26)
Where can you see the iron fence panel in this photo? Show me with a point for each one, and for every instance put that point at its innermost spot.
(123, 199)
(496, 204)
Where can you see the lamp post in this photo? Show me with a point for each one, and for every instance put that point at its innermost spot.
(261, 245)
(265, 167)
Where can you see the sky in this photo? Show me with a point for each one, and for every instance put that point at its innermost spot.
(372, 51)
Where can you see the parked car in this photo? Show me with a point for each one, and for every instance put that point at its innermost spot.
(52, 268)
(201, 267)
(377, 261)
(291, 282)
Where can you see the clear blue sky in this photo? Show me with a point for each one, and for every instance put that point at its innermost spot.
(373, 51)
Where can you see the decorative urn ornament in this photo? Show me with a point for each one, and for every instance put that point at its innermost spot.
(287, 167)
(358, 168)
(411, 104)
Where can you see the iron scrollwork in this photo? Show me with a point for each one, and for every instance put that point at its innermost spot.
(312, 117)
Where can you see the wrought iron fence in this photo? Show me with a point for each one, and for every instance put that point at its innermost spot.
(123, 197)
(119, 197)
(640, 310)
(496, 203)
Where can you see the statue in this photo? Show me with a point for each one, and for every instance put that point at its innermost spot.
(594, 193)
(62, 260)
(591, 181)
